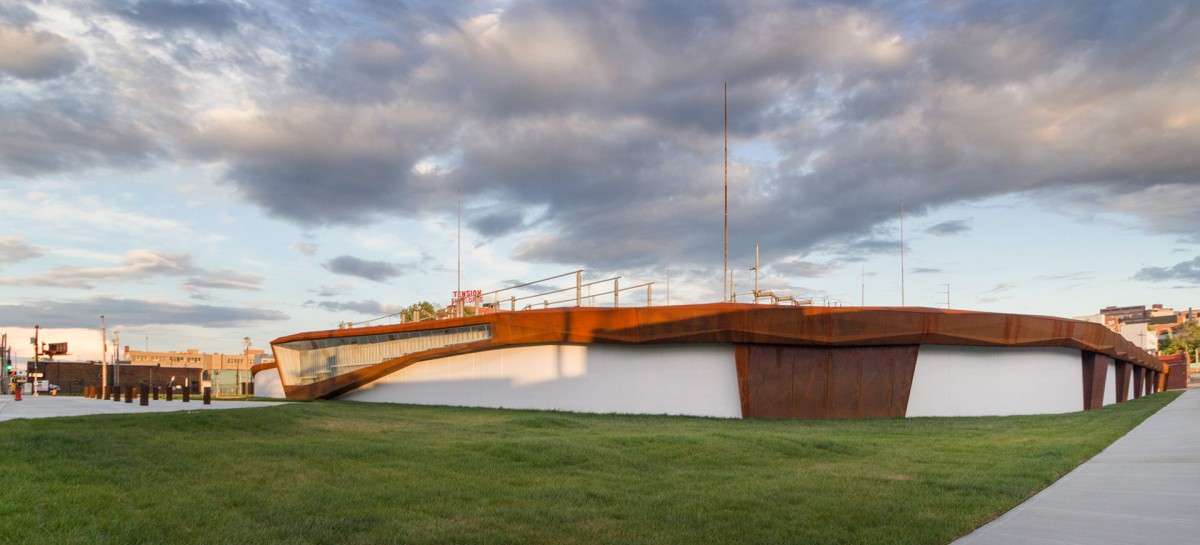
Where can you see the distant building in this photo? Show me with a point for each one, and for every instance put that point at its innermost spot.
(1140, 325)
(193, 358)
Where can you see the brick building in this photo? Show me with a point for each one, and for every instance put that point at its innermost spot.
(73, 376)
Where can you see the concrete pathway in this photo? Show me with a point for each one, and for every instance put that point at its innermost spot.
(45, 406)
(1144, 488)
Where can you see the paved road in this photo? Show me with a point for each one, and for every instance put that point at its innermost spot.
(45, 406)
(1144, 488)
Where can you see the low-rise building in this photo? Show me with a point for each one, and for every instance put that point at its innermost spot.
(193, 358)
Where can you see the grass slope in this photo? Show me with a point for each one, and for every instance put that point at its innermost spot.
(340, 472)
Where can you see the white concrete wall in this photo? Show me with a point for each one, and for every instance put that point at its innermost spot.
(1110, 385)
(688, 379)
(983, 381)
(267, 384)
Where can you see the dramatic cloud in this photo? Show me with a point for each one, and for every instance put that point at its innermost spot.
(366, 306)
(377, 271)
(131, 312)
(137, 265)
(591, 133)
(1187, 271)
(951, 227)
(35, 55)
(14, 250)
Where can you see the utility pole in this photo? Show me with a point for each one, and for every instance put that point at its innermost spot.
(104, 358)
(37, 350)
(4, 363)
(116, 357)
(245, 355)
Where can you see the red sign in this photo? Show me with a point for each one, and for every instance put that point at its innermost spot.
(472, 296)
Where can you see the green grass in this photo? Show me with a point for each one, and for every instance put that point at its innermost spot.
(340, 472)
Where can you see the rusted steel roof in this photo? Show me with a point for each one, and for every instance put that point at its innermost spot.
(739, 324)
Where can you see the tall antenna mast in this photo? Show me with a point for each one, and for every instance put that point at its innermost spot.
(901, 252)
(461, 300)
(725, 262)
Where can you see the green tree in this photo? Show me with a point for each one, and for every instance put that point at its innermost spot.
(423, 310)
(1184, 338)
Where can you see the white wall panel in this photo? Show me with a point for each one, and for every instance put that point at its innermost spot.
(662, 379)
(1110, 385)
(267, 384)
(984, 381)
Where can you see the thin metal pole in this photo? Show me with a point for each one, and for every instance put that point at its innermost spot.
(104, 360)
(725, 260)
(901, 253)
(616, 292)
(461, 300)
(756, 274)
(578, 288)
(649, 296)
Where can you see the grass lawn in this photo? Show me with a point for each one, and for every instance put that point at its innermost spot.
(341, 472)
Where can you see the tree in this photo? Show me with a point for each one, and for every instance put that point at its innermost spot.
(420, 311)
(1184, 338)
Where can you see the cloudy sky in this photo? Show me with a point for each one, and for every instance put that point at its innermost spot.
(199, 172)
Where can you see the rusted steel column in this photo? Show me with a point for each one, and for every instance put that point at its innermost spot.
(155, 393)
(144, 395)
(116, 393)
(208, 395)
(170, 394)
(1095, 371)
(187, 394)
(129, 394)
(1139, 381)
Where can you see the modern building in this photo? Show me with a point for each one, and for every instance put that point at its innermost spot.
(724, 360)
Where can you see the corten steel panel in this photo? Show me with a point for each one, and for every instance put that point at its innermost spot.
(739, 324)
(771, 383)
(1138, 382)
(1177, 377)
(1095, 371)
(1123, 375)
(810, 386)
(829, 382)
(262, 367)
(741, 359)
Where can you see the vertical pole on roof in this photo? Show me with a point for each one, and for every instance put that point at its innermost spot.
(514, 303)
(756, 274)
(616, 293)
(649, 295)
(901, 252)
(725, 261)
(461, 299)
(578, 288)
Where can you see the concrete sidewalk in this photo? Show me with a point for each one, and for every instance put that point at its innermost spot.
(1144, 488)
(45, 406)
